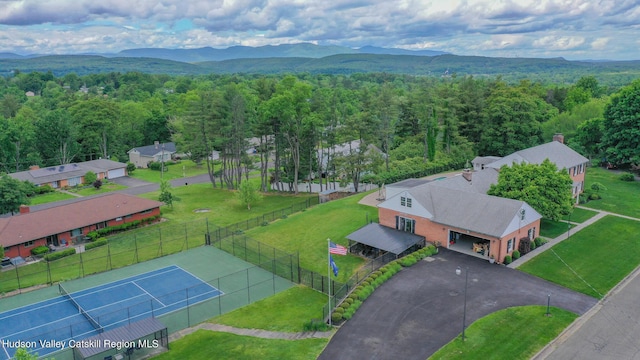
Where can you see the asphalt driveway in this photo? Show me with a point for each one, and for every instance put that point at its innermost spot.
(420, 309)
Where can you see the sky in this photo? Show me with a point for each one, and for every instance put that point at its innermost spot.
(573, 29)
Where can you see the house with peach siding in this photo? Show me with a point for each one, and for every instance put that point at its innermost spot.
(453, 214)
(62, 225)
(66, 175)
(456, 212)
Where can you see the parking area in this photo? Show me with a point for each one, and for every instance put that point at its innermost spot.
(421, 308)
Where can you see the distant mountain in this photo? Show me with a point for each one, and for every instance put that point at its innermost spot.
(8, 55)
(302, 50)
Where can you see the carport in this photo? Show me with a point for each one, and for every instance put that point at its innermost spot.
(373, 240)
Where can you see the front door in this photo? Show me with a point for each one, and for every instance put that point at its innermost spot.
(53, 240)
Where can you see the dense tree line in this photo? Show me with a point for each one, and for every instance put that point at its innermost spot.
(299, 121)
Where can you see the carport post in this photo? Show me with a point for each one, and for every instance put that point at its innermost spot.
(466, 282)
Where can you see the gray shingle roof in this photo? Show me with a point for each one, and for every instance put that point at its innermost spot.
(560, 154)
(124, 334)
(67, 171)
(151, 150)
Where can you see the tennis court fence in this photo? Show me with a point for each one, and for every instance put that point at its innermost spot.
(239, 289)
(133, 247)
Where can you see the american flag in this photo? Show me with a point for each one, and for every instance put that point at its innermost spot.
(337, 249)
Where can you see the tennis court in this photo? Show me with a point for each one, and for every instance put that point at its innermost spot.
(47, 326)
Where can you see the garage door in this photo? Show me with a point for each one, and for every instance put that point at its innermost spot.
(115, 173)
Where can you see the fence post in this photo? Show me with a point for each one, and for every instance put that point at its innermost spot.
(186, 236)
(188, 312)
(248, 288)
(49, 273)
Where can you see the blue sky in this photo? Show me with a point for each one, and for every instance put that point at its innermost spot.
(573, 29)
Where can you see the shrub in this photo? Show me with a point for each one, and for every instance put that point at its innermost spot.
(44, 189)
(537, 242)
(39, 250)
(507, 259)
(59, 254)
(315, 325)
(627, 177)
(349, 300)
(408, 261)
(516, 254)
(90, 177)
(131, 167)
(339, 309)
(336, 317)
(532, 245)
(96, 243)
(594, 196)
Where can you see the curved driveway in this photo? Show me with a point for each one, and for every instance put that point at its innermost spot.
(420, 309)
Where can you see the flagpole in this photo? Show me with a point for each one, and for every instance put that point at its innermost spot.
(329, 275)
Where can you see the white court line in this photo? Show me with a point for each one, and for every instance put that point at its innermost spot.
(113, 284)
(51, 322)
(146, 292)
(5, 351)
(116, 302)
(34, 309)
(211, 286)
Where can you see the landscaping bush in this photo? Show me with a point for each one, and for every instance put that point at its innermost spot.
(43, 189)
(336, 317)
(507, 259)
(408, 261)
(339, 310)
(537, 242)
(95, 244)
(533, 245)
(315, 325)
(594, 196)
(516, 254)
(39, 250)
(131, 167)
(627, 177)
(59, 254)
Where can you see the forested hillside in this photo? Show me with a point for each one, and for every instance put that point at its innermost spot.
(511, 70)
(299, 122)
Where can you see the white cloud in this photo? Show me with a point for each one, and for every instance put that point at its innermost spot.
(461, 26)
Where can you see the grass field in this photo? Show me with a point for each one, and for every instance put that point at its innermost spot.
(223, 207)
(621, 197)
(307, 233)
(552, 229)
(174, 171)
(90, 190)
(579, 215)
(513, 333)
(601, 255)
(50, 197)
(287, 311)
(208, 345)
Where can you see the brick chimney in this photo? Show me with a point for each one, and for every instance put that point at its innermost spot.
(466, 174)
(24, 209)
(559, 138)
(34, 167)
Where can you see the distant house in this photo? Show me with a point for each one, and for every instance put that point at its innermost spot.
(143, 155)
(72, 174)
(61, 225)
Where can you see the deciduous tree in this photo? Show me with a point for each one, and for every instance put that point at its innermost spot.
(543, 186)
(621, 136)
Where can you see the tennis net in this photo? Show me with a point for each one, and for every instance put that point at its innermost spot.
(93, 322)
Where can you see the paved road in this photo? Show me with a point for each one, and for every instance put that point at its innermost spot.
(420, 309)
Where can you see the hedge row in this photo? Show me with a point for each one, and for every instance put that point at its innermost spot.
(59, 254)
(39, 250)
(353, 302)
(100, 242)
(118, 228)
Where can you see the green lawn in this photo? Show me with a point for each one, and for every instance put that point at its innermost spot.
(602, 254)
(184, 168)
(307, 233)
(286, 311)
(621, 197)
(206, 345)
(552, 229)
(579, 215)
(107, 186)
(513, 333)
(224, 208)
(49, 197)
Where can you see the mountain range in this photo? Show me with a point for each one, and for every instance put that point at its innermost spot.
(303, 50)
(314, 59)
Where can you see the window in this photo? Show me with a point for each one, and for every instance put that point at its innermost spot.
(403, 201)
(510, 244)
(405, 224)
(408, 202)
(28, 243)
(532, 233)
(146, 211)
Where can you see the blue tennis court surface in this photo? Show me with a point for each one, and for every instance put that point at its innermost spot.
(45, 326)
